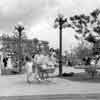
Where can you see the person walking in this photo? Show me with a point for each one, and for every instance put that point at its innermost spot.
(29, 69)
(9, 63)
(37, 63)
(1, 65)
(5, 59)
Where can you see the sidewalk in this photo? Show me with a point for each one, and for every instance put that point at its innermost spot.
(15, 85)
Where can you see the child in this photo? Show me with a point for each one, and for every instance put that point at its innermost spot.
(28, 67)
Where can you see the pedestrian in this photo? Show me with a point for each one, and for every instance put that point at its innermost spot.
(1, 65)
(28, 67)
(9, 63)
(5, 59)
(37, 64)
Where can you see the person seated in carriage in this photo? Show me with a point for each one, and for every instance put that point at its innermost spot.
(44, 64)
(41, 60)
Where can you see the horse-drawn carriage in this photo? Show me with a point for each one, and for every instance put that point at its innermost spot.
(45, 70)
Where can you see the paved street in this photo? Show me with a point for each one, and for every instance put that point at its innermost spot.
(55, 97)
(12, 86)
(55, 89)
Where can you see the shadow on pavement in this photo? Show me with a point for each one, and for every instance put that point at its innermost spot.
(83, 77)
(49, 81)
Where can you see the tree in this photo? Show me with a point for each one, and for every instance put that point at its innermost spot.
(87, 28)
(29, 46)
(83, 51)
(60, 23)
(19, 27)
(10, 46)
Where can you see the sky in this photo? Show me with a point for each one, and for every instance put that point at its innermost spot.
(38, 18)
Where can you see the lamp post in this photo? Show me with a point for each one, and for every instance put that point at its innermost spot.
(19, 27)
(60, 23)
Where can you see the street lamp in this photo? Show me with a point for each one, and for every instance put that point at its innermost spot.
(19, 27)
(60, 22)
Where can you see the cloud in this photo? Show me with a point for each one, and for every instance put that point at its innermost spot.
(39, 16)
(68, 8)
(27, 11)
(31, 12)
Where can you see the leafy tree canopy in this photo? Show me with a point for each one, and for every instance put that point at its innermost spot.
(87, 27)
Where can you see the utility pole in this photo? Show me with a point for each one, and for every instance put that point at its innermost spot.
(19, 28)
(60, 23)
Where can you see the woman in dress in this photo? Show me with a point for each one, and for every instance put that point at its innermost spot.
(29, 69)
(37, 63)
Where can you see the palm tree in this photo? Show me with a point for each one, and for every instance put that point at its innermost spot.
(60, 22)
(19, 27)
